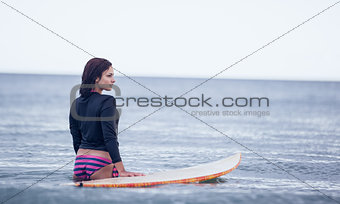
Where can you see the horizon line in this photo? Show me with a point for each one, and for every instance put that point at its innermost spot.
(186, 77)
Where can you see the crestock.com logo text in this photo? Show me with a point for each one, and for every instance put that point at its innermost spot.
(200, 101)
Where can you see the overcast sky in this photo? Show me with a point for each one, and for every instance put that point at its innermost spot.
(177, 38)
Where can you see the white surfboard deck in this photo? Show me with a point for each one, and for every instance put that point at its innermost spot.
(197, 173)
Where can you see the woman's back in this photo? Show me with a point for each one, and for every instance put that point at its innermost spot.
(90, 111)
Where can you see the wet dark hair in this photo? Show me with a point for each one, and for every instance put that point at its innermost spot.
(94, 69)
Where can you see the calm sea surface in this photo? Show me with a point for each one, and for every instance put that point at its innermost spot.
(298, 134)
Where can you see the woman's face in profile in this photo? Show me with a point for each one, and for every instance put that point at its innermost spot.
(107, 80)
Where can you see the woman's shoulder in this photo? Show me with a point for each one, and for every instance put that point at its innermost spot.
(106, 100)
(96, 96)
(105, 97)
(98, 99)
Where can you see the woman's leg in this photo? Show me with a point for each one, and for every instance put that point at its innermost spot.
(104, 172)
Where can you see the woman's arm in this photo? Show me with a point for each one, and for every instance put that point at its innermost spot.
(109, 132)
(110, 137)
(75, 132)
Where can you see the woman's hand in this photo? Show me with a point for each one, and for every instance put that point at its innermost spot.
(123, 173)
(130, 174)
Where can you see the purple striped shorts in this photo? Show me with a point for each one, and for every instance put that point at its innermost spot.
(86, 165)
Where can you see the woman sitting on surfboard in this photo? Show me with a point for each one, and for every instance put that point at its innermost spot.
(93, 126)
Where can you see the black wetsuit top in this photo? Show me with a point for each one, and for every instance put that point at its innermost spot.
(98, 127)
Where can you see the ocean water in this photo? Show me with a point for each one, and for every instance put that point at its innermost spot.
(290, 147)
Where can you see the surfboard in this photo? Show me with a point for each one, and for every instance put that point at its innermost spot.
(193, 174)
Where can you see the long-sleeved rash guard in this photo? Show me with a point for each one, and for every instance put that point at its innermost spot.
(95, 134)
